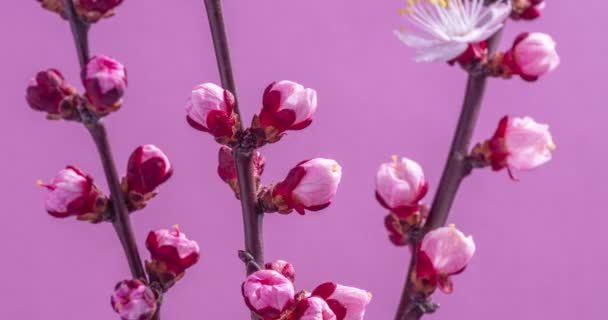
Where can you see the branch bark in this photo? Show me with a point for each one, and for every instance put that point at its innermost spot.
(457, 167)
(121, 221)
(243, 153)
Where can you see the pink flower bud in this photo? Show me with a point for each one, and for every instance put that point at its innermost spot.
(400, 185)
(283, 267)
(268, 293)
(93, 10)
(227, 169)
(443, 252)
(71, 193)
(527, 9)
(310, 185)
(313, 308)
(286, 106)
(148, 168)
(347, 303)
(133, 300)
(532, 55)
(519, 143)
(105, 82)
(49, 92)
(172, 248)
(211, 109)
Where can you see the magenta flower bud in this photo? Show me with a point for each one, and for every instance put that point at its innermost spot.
(313, 308)
(172, 249)
(93, 10)
(268, 293)
(311, 185)
(347, 303)
(49, 92)
(518, 144)
(211, 109)
(148, 168)
(133, 300)
(286, 106)
(400, 185)
(226, 168)
(72, 193)
(443, 252)
(105, 82)
(283, 267)
(532, 55)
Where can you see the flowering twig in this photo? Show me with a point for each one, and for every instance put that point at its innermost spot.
(244, 151)
(120, 221)
(457, 167)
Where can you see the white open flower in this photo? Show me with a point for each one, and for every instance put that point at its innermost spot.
(450, 26)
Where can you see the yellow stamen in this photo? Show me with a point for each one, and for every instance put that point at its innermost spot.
(394, 158)
(551, 146)
(452, 226)
(39, 183)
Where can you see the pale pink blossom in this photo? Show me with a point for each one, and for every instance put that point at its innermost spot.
(520, 144)
(348, 303)
(268, 293)
(450, 26)
(529, 143)
(443, 252)
(532, 55)
(283, 267)
(287, 106)
(313, 308)
(211, 109)
(105, 82)
(133, 300)
(400, 185)
(311, 185)
(173, 248)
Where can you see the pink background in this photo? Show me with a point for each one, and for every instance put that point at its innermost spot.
(541, 242)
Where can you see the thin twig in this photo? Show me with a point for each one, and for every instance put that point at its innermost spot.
(215, 15)
(121, 221)
(243, 153)
(456, 169)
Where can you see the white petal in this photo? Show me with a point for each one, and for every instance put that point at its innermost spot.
(441, 52)
(413, 41)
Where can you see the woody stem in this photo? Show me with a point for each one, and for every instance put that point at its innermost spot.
(457, 167)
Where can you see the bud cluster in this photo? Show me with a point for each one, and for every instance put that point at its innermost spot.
(105, 81)
(271, 294)
(74, 193)
(310, 185)
(531, 56)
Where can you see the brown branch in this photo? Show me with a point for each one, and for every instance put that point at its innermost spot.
(121, 221)
(215, 15)
(243, 153)
(456, 169)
